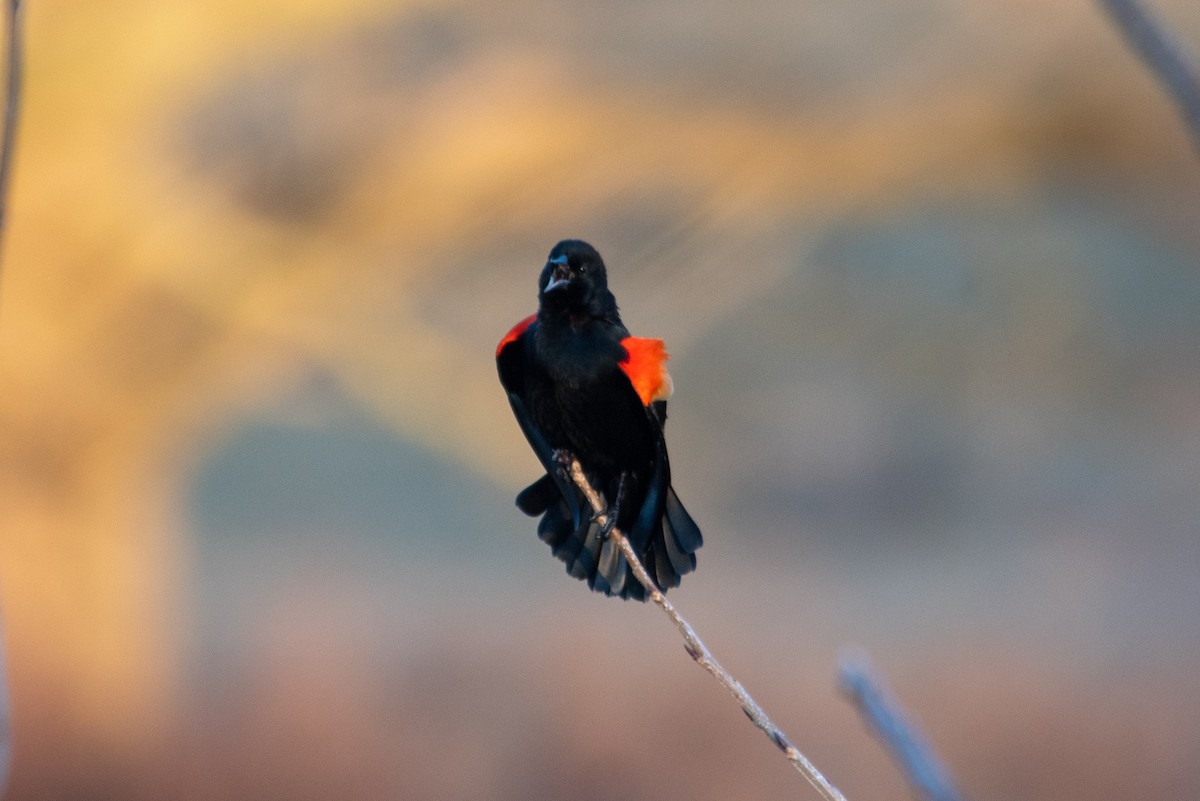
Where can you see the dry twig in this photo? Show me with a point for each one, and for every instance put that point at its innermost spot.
(7, 140)
(1175, 67)
(882, 713)
(699, 651)
(12, 104)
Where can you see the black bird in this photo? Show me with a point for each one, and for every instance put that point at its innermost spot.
(579, 383)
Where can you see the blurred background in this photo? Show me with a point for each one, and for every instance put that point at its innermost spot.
(930, 276)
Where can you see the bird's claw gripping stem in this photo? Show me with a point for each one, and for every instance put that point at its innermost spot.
(613, 512)
(565, 459)
(606, 528)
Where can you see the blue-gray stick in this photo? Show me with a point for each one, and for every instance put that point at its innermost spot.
(1166, 56)
(885, 717)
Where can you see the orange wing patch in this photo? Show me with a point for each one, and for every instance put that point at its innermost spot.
(646, 366)
(515, 333)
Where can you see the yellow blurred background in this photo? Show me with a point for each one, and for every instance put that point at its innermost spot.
(930, 276)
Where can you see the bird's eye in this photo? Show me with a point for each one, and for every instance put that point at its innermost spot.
(583, 269)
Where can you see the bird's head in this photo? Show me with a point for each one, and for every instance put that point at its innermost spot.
(574, 281)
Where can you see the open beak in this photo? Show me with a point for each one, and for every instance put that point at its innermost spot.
(560, 277)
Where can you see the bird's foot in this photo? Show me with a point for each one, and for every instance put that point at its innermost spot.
(564, 458)
(613, 512)
(606, 528)
(610, 515)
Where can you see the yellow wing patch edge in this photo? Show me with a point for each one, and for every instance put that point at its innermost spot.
(645, 364)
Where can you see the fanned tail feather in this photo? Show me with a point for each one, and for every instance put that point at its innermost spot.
(539, 496)
(668, 549)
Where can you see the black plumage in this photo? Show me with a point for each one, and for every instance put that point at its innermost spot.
(578, 382)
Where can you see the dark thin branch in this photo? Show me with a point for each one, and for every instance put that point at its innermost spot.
(1166, 56)
(884, 716)
(12, 105)
(698, 651)
(7, 140)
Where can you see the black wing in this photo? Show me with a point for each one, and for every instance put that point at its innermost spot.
(663, 532)
(512, 364)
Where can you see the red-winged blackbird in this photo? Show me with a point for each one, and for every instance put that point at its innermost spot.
(579, 383)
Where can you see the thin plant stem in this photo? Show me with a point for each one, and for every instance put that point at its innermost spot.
(924, 772)
(12, 105)
(698, 651)
(1170, 61)
(7, 141)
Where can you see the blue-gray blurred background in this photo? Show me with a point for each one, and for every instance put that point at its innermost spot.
(929, 272)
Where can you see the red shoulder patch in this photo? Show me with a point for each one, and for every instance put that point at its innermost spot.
(515, 333)
(646, 366)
